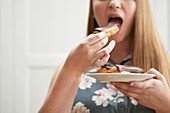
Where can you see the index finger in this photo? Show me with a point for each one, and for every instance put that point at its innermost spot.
(93, 38)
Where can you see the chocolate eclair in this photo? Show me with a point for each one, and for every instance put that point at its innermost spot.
(119, 69)
(110, 29)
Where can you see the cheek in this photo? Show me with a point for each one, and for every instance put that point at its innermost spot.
(131, 13)
(99, 12)
(97, 9)
(133, 10)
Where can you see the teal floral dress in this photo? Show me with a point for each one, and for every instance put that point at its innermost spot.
(96, 97)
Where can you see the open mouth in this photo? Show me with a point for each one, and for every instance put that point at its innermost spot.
(115, 20)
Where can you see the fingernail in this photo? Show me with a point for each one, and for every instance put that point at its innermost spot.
(113, 43)
(132, 84)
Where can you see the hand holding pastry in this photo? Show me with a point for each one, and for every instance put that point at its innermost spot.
(93, 52)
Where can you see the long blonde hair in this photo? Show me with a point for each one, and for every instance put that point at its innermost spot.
(148, 50)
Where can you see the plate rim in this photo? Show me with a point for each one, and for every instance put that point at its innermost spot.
(123, 77)
(123, 74)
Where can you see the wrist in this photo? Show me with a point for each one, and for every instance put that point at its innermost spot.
(164, 110)
(72, 68)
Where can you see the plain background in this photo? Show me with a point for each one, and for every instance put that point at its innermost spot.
(35, 36)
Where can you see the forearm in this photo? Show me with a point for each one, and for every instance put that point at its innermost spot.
(61, 96)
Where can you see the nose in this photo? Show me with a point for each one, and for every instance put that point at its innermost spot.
(115, 4)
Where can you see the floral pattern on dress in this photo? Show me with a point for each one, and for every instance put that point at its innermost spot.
(80, 108)
(134, 102)
(118, 98)
(103, 96)
(86, 82)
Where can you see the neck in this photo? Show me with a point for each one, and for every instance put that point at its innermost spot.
(121, 51)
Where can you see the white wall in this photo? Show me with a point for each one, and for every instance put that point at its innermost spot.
(168, 24)
(35, 35)
(160, 11)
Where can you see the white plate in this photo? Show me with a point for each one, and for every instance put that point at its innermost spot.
(120, 77)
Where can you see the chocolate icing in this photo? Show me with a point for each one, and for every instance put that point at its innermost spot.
(131, 69)
(123, 68)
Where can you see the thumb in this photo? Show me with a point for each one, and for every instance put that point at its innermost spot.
(158, 76)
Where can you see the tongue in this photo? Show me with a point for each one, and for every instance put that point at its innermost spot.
(108, 26)
(112, 22)
(115, 22)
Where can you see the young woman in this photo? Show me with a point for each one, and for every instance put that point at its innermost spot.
(137, 44)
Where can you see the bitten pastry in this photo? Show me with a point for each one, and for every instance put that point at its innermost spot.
(119, 69)
(109, 30)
